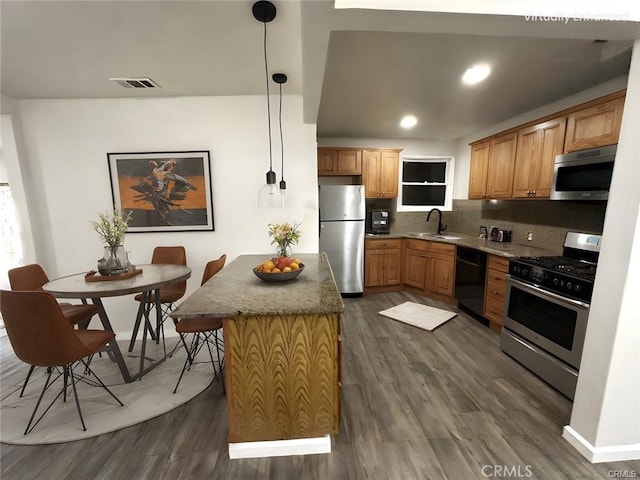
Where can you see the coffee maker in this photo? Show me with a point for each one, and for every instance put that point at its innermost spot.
(378, 222)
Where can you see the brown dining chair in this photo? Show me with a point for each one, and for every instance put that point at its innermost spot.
(31, 278)
(41, 336)
(168, 294)
(207, 331)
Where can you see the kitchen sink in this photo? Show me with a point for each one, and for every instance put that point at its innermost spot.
(435, 235)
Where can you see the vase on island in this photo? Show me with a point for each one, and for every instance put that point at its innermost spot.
(283, 251)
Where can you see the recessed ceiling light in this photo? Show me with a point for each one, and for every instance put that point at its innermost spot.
(476, 74)
(408, 121)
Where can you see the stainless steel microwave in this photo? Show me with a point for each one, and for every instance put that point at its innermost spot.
(584, 175)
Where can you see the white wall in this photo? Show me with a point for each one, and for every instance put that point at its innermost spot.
(66, 142)
(605, 420)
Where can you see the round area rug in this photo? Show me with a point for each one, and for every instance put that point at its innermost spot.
(143, 399)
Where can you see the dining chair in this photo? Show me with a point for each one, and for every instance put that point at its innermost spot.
(207, 331)
(168, 295)
(41, 336)
(31, 278)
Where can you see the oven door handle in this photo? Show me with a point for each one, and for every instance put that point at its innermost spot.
(541, 291)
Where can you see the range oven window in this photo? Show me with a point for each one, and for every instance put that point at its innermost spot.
(584, 177)
(550, 320)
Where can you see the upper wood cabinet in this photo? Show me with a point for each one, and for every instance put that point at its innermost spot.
(478, 170)
(536, 151)
(491, 169)
(380, 173)
(339, 161)
(501, 163)
(519, 163)
(594, 126)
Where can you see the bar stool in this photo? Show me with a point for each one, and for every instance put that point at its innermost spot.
(207, 331)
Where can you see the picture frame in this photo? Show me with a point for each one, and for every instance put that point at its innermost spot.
(165, 191)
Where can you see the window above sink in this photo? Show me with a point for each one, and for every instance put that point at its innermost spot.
(425, 182)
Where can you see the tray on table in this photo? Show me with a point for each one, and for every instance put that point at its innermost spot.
(94, 276)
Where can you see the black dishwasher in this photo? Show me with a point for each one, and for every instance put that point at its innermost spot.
(471, 267)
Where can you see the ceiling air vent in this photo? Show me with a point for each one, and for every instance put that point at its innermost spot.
(142, 82)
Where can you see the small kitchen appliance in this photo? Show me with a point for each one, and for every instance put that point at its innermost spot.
(378, 222)
(547, 304)
(497, 234)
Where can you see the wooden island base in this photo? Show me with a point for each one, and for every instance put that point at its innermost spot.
(282, 355)
(282, 376)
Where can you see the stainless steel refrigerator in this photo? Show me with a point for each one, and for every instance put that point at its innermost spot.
(342, 218)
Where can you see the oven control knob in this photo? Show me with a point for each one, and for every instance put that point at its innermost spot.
(555, 281)
(524, 272)
(569, 285)
(578, 287)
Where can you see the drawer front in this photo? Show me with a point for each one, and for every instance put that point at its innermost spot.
(442, 248)
(496, 276)
(495, 291)
(498, 263)
(373, 244)
(421, 245)
(493, 310)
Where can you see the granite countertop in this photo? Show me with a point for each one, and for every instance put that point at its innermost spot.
(506, 249)
(235, 290)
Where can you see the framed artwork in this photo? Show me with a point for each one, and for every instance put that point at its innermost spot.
(165, 191)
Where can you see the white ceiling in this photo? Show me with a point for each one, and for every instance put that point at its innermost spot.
(358, 70)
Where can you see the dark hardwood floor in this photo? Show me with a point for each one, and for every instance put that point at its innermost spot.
(446, 404)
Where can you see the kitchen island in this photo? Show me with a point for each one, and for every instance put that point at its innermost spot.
(282, 355)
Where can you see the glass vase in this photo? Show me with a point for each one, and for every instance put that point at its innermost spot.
(283, 250)
(114, 261)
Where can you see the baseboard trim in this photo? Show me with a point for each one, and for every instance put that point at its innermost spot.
(616, 453)
(280, 448)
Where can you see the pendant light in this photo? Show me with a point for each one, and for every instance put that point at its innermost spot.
(269, 196)
(281, 78)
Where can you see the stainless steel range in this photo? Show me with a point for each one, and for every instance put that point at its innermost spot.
(546, 310)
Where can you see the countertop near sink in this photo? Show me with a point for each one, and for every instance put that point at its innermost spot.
(506, 249)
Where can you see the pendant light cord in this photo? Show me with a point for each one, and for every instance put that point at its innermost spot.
(281, 141)
(266, 74)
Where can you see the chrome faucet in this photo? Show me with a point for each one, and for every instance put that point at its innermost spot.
(441, 227)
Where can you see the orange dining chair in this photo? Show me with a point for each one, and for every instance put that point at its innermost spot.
(31, 278)
(168, 295)
(207, 331)
(41, 336)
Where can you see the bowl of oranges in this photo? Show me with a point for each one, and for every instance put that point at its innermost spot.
(279, 269)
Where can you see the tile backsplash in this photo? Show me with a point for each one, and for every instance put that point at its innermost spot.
(548, 220)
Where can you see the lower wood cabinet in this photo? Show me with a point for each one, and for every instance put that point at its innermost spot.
(383, 264)
(495, 288)
(430, 268)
